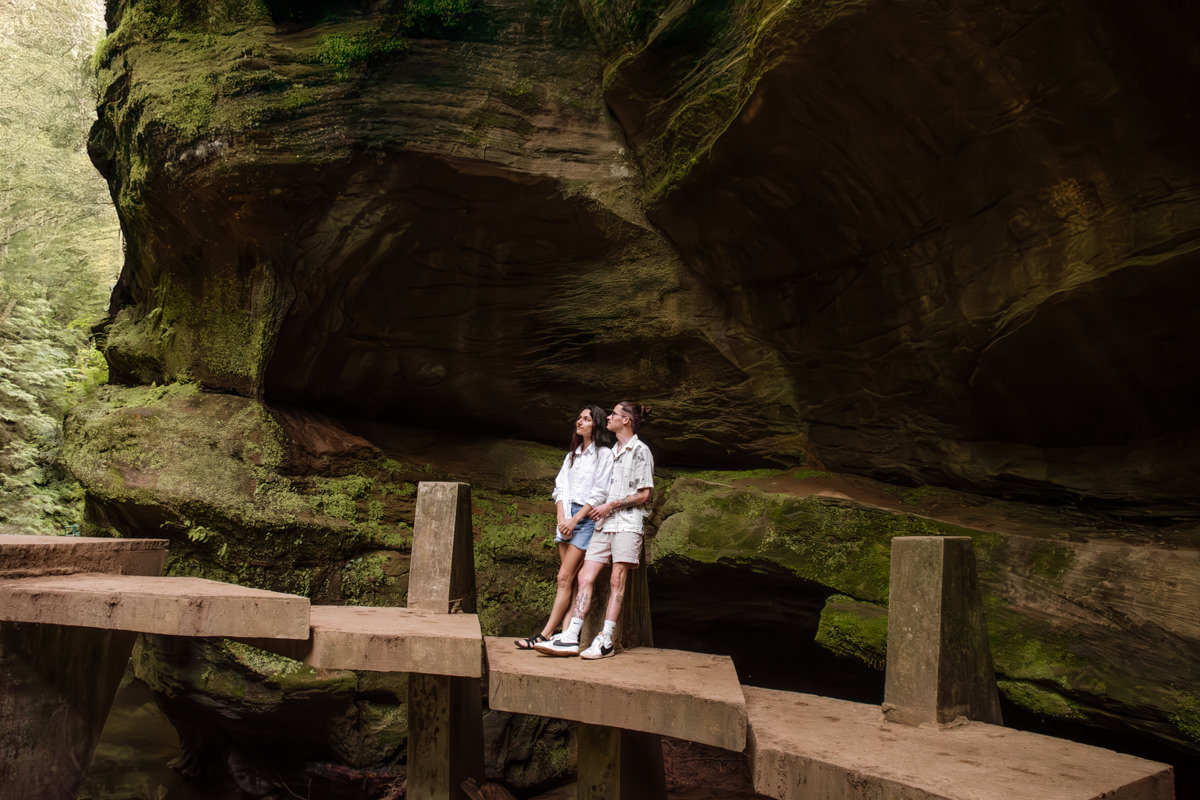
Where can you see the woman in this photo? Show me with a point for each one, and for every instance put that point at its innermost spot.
(582, 484)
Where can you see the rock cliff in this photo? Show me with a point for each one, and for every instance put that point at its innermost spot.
(933, 243)
(917, 243)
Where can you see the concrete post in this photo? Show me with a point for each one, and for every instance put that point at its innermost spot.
(617, 764)
(57, 683)
(445, 714)
(442, 569)
(939, 663)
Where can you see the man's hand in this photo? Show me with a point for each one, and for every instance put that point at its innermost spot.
(601, 511)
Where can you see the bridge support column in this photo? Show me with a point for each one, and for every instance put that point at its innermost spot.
(939, 663)
(445, 722)
(57, 682)
(616, 764)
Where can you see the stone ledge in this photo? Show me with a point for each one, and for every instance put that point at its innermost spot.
(24, 556)
(171, 606)
(684, 695)
(396, 640)
(806, 746)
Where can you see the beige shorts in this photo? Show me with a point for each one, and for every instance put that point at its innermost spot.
(624, 547)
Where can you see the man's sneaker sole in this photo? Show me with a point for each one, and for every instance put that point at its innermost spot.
(602, 652)
(553, 648)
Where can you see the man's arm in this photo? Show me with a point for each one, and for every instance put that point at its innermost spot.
(640, 497)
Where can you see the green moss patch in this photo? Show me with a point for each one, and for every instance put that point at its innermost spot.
(852, 628)
(1040, 700)
(209, 472)
(833, 542)
(1186, 718)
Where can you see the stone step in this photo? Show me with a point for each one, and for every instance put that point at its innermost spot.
(172, 606)
(693, 696)
(807, 747)
(389, 640)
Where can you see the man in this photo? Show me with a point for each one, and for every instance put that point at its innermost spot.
(618, 536)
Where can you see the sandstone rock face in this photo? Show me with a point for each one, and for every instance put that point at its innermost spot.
(966, 232)
(929, 243)
(939, 244)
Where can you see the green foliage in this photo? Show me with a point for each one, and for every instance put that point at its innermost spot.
(349, 51)
(838, 543)
(353, 52)
(370, 579)
(515, 562)
(448, 13)
(621, 22)
(59, 253)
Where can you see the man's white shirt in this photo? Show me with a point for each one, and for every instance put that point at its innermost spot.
(632, 469)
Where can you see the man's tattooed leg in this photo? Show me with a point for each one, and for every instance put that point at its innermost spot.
(582, 601)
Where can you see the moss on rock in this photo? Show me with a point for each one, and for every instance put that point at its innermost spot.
(209, 473)
(852, 628)
(1038, 699)
(837, 543)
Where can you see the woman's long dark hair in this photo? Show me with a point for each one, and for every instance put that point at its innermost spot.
(601, 435)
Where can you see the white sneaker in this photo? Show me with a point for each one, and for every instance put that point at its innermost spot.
(557, 647)
(602, 647)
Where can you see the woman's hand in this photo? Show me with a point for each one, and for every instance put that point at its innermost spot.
(566, 527)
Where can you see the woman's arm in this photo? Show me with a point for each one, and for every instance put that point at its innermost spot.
(601, 477)
(562, 485)
(566, 525)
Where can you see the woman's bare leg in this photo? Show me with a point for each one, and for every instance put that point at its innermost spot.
(571, 557)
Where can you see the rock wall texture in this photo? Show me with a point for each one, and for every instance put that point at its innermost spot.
(934, 242)
(924, 243)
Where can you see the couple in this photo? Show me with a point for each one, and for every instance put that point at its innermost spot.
(602, 494)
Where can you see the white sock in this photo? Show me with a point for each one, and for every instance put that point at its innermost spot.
(609, 626)
(571, 632)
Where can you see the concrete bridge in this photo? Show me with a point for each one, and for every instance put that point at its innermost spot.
(71, 607)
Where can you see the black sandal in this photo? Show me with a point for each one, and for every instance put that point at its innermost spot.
(527, 644)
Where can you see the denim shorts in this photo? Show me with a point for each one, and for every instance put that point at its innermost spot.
(582, 534)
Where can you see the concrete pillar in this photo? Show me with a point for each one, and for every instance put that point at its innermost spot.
(57, 682)
(441, 573)
(617, 764)
(445, 736)
(445, 714)
(939, 663)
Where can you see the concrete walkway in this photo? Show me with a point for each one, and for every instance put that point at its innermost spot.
(396, 640)
(801, 747)
(674, 693)
(146, 604)
(807, 747)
